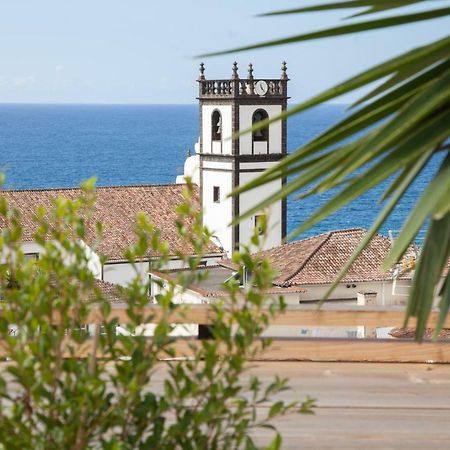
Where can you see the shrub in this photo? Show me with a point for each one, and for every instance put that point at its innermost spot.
(64, 388)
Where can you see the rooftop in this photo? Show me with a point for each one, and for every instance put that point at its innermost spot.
(212, 284)
(112, 292)
(116, 208)
(319, 259)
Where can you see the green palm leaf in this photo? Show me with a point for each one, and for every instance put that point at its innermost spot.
(438, 190)
(372, 5)
(434, 257)
(345, 29)
(439, 51)
(390, 132)
(404, 183)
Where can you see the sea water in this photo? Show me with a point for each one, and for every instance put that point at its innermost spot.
(45, 146)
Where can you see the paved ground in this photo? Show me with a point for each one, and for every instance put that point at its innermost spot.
(367, 406)
(362, 405)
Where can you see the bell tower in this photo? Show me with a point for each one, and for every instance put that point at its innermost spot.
(228, 106)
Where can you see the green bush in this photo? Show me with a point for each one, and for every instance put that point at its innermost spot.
(62, 388)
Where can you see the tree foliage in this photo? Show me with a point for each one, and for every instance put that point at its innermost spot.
(389, 135)
(53, 398)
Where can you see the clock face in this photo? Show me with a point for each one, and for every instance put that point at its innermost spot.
(261, 87)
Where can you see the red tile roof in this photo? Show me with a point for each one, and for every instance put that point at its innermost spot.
(410, 333)
(319, 259)
(116, 207)
(219, 291)
(275, 290)
(112, 292)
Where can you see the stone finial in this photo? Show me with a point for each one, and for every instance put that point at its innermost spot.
(235, 75)
(201, 72)
(250, 71)
(284, 75)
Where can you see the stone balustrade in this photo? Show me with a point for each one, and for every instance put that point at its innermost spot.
(241, 88)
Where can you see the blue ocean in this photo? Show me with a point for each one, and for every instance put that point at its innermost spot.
(45, 146)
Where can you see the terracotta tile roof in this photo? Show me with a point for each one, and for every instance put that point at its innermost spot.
(409, 333)
(319, 259)
(112, 292)
(281, 290)
(116, 208)
(216, 290)
(272, 291)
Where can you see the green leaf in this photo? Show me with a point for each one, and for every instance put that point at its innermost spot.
(275, 409)
(353, 83)
(384, 5)
(328, 163)
(399, 136)
(423, 139)
(358, 121)
(342, 30)
(276, 443)
(407, 73)
(444, 306)
(404, 122)
(438, 188)
(433, 259)
(378, 5)
(382, 216)
(431, 134)
(394, 185)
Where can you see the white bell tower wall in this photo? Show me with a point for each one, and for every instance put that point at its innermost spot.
(274, 213)
(228, 106)
(216, 184)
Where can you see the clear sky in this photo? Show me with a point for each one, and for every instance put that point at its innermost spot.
(141, 51)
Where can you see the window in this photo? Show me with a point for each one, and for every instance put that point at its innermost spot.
(216, 126)
(263, 134)
(31, 256)
(260, 224)
(216, 194)
(151, 289)
(193, 261)
(246, 276)
(81, 330)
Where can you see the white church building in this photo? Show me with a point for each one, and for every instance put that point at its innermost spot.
(220, 164)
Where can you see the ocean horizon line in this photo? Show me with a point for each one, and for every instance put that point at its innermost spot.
(125, 104)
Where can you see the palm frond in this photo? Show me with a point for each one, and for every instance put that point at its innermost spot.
(353, 28)
(390, 133)
(371, 5)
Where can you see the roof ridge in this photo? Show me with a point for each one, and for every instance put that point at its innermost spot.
(376, 235)
(73, 188)
(286, 244)
(346, 230)
(327, 237)
(183, 269)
